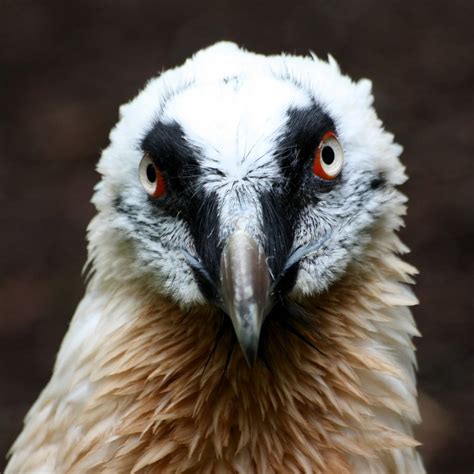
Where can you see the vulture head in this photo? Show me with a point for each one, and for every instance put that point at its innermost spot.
(247, 306)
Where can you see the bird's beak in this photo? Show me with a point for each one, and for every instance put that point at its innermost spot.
(245, 290)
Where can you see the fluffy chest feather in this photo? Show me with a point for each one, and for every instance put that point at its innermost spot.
(145, 387)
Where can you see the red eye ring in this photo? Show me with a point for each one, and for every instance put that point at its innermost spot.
(151, 177)
(328, 158)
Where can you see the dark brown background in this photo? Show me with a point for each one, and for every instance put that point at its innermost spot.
(67, 66)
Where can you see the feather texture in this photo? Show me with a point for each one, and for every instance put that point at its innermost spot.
(149, 377)
(130, 393)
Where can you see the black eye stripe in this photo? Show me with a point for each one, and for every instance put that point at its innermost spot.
(296, 146)
(167, 146)
(278, 225)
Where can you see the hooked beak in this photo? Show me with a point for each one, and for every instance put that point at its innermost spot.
(245, 290)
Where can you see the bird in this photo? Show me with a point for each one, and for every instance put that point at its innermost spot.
(247, 306)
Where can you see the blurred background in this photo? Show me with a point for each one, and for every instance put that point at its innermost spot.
(67, 66)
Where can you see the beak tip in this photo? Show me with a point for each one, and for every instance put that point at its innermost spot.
(250, 362)
(250, 354)
(248, 341)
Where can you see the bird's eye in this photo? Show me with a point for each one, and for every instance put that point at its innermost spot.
(329, 157)
(151, 178)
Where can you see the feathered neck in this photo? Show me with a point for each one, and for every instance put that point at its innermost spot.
(146, 387)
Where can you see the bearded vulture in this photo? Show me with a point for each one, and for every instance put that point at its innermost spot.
(247, 308)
